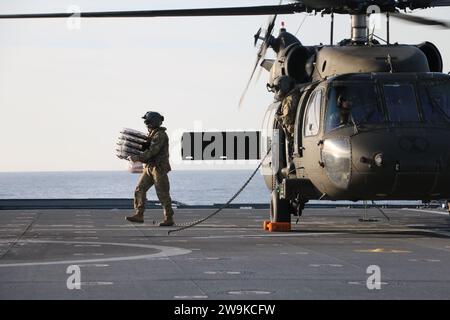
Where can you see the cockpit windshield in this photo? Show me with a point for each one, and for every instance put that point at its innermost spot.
(401, 102)
(435, 100)
(352, 104)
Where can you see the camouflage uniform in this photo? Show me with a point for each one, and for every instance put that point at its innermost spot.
(156, 159)
(288, 112)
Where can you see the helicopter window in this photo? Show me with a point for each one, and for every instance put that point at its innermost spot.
(352, 103)
(267, 128)
(435, 99)
(401, 102)
(312, 119)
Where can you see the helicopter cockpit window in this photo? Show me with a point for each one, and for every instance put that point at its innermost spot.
(401, 102)
(435, 99)
(312, 119)
(352, 104)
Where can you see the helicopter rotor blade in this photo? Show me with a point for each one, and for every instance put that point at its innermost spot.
(258, 75)
(440, 3)
(231, 11)
(421, 20)
(257, 36)
(271, 24)
(265, 44)
(261, 53)
(241, 100)
(298, 6)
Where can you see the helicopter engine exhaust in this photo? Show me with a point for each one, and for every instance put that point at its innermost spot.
(295, 61)
(433, 56)
(296, 64)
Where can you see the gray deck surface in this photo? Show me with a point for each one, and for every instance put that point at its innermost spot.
(326, 256)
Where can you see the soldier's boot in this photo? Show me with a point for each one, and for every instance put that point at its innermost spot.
(167, 223)
(168, 217)
(137, 218)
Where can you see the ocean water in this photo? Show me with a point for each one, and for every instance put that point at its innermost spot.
(188, 186)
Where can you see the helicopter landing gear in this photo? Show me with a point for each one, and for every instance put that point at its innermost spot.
(280, 209)
(280, 214)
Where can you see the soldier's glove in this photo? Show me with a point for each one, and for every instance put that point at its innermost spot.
(145, 146)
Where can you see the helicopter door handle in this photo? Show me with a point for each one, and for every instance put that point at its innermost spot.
(321, 162)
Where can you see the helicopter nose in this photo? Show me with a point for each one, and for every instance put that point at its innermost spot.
(403, 163)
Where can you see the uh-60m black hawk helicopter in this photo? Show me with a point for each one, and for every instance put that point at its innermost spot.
(391, 142)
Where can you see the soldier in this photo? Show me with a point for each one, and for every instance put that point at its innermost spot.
(156, 159)
(344, 110)
(339, 113)
(289, 97)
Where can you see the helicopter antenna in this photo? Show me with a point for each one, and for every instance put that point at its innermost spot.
(332, 29)
(372, 34)
(379, 38)
(387, 28)
(389, 61)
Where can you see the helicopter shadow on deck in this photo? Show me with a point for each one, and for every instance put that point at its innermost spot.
(422, 232)
(436, 229)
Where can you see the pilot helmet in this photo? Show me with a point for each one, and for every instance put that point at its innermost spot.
(153, 119)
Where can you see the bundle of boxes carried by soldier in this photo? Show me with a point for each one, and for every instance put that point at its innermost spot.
(131, 142)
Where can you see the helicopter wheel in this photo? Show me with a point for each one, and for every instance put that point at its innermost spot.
(280, 209)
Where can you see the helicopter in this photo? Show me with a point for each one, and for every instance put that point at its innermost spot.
(393, 142)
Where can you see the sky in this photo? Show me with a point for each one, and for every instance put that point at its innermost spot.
(66, 93)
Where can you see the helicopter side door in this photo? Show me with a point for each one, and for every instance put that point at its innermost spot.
(312, 135)
(269, 137)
